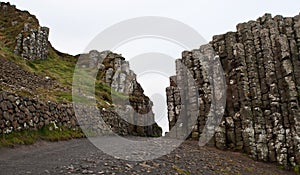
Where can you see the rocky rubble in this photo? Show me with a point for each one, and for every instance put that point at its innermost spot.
(15, 77)
(261, 65)
(80, 156)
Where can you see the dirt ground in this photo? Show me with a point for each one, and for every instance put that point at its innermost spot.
(79, 156)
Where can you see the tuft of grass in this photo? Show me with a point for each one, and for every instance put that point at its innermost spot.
(297, 169)
(64, 96)
(180, 171)
(27, 137)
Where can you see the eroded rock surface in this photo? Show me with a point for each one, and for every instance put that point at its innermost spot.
(32, 43)
(262, 69)
(135, 107)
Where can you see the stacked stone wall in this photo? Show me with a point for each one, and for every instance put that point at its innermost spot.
(18, 113)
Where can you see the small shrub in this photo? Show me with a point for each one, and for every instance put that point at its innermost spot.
(297, 169)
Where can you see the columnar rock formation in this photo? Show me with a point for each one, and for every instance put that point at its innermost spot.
(261, 63)
(22, 112)
(21, 32)
(135, 108)
(32, 44)
(189, 96)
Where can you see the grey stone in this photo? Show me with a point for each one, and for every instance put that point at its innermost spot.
(260, 62)
(33, 46)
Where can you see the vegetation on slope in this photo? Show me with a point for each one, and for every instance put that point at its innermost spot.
(47, 133)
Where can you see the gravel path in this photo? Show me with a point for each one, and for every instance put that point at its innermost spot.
(79, 156)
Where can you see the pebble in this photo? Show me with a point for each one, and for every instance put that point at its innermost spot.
(183, 160)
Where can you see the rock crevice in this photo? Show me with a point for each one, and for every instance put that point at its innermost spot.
(32, 43)
(261, 66)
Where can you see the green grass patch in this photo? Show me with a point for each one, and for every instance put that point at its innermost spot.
(64, 96)
(180, 171)
(297, 169)
(55, 67)
(60, 69)
(47, 133)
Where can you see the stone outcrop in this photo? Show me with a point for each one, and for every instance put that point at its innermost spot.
(261, 63)
(20, 32)
(135, 108)
(32, 43)
(190, 96)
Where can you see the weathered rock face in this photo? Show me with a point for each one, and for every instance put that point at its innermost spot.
(20, 32)
(136, 108)
(261, 62)
(32, 43)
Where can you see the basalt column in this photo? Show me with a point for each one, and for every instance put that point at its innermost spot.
(261, 64)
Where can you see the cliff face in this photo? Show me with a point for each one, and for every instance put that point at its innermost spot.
(131, 105)
(261, 62)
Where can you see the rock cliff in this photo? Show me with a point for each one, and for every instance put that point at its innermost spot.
(134, 107)
(261, 63)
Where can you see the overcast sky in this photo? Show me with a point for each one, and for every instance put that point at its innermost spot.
(74, 23)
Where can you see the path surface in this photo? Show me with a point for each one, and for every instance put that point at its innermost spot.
(79, 156)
